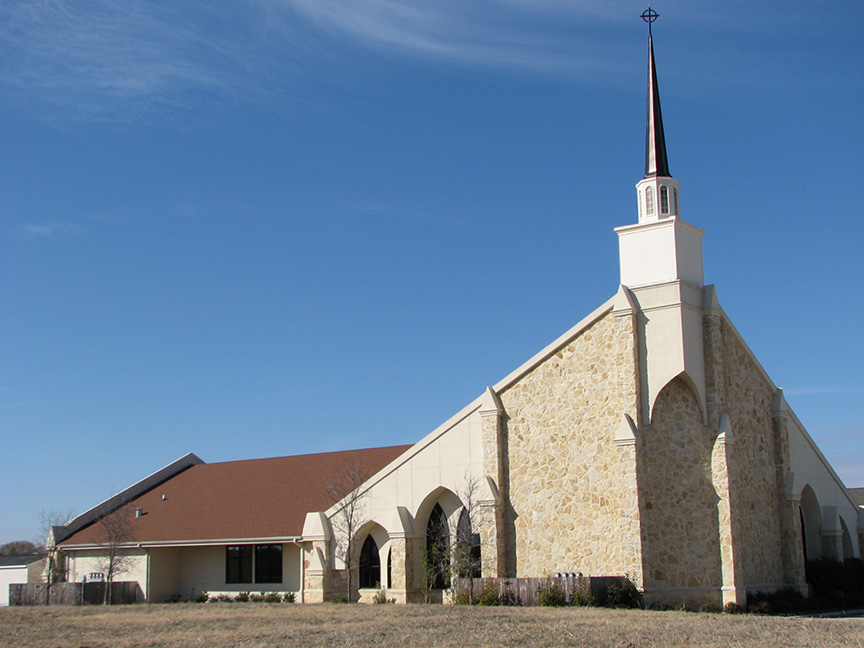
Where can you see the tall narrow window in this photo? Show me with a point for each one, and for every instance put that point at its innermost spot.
(649, 201)
(675, 201)
(268, 563)
(238, 564)
(467, 552)
(438, 549)
(390, 569)
(639, 196)
(664, 199)
(370, 564)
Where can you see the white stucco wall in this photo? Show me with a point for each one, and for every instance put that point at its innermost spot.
(445, 458)
(810, 468)
(8, 576)
(191, 570)
(82, 563)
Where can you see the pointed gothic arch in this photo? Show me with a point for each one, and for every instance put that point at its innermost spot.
(438, 549)
(811, 524)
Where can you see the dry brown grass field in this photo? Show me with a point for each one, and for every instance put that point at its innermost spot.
(250, 625)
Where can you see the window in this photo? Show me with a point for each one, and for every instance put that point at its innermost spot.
(468, 548)
(675, 201)
(664, 199)
(265, 561)
(639, 196)
(370, 564)
(268, 563)
(649, 201)
(238, 564)
(438, 549)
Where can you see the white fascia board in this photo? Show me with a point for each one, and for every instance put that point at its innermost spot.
(556, 346)
(747, 349)
(188, 543)
(414, 450)
(477, 403)
(821, 457)
(127, 495)
(791, 413)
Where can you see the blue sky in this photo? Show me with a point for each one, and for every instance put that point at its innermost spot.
(271, 227)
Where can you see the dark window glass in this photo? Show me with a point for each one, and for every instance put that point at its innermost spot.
(268, 563)
(238, 564)
(438, 549)
(370, 564)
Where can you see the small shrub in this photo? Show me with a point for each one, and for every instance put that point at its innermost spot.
(461, 598)
(682, 607)
(489, 595)
(510, 599)
(174, 598)
(380, 597)
(710, 608)
(661, 606)
(242, 597)
(582, 597)
(622, 594)
(733, 608)
(551, 595)
(256, 598)
(760, 607)
(272, 597)
(201, 597)
(289, 597)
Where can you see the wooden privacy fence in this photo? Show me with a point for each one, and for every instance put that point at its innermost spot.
(122, 592)
(525, 591)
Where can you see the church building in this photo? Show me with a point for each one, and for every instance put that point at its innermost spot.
(647, 440)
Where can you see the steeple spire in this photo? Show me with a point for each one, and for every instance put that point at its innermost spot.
(656, 163)
(657, 192)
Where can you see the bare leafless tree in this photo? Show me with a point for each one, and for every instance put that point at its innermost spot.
(50, 521)
(344, 489)
(466, 558)
(117, 532)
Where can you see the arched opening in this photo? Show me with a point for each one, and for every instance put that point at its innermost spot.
(389, 568)
(649, 201)
(467, 551)
(848, 551)
(370, 564)
(675, 201)
(438, 549)
(811, 524)
(664, 199)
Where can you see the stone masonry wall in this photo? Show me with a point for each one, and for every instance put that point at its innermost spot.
(754, 490)
(679, 503)
(572, 490)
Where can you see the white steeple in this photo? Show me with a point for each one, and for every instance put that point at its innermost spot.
(661, 268)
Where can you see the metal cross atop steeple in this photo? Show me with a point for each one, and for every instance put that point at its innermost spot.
(649, 16)
(656, 163)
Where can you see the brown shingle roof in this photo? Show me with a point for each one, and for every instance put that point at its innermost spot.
(257, 498)
(857, 495)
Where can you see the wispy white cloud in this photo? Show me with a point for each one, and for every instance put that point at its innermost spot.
(116, 60)
(50, 229)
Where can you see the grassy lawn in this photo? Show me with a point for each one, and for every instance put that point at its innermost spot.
(252, 625)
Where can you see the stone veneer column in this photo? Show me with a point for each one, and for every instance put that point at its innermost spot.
(490, 522)
(402, 567)
(626, 440)
(733, 590)
(316, 571)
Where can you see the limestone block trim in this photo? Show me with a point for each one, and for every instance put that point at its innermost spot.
(625, 433)
(726, 436)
